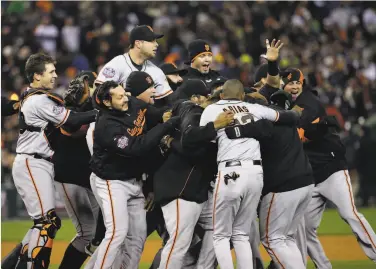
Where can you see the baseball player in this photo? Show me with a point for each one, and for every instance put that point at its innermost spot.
(40, 117)
(188, 171)
(72, 174)
(326, 154)
(143, 47)
(200, 59)
(240, 176)
(118, 163)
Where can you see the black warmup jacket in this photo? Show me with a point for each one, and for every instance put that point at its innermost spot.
(325, 151)
(206, 78)
(191, 163)
(123, 144)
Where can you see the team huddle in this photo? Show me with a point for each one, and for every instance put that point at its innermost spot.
(205, 162)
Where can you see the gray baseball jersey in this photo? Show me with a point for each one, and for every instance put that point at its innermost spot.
(120, 67)
(38, 111)
(238, 149)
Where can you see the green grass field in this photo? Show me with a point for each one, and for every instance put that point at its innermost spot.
(332, 224)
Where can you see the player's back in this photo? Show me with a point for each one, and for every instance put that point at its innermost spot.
(237, 149)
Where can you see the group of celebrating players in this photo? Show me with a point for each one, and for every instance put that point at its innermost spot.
(184, 152)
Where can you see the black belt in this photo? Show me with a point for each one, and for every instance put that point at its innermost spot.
(238, 163)
(37, 156)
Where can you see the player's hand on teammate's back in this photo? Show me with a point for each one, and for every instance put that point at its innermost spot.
(224, 119)
(258, 130)
(272, 52)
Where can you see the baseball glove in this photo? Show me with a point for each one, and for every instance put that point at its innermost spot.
(78, 91)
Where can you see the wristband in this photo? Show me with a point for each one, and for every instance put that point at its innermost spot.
(273, 68)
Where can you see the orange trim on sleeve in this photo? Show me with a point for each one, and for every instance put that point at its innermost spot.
(35, 186)
(276, 117)
(65, 132)
(65, 118)
(176, 232)
(164, 95)
(113, 222)
(267, 231)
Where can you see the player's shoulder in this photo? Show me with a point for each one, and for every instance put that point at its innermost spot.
(151, 67)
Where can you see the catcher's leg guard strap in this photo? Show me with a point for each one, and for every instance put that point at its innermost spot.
(47, 226)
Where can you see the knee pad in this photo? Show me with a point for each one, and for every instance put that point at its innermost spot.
(48, 227)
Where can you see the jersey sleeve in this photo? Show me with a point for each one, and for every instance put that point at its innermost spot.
(162, 87)
(90, 137)
(111, 71)
(263, 112)
(207, 116)
(52, 112)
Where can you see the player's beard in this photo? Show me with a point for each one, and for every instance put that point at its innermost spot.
(173, 85)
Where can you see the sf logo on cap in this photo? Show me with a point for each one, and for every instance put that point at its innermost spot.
(289, 76)
(207, 48)
(149, 81)
(151, 29)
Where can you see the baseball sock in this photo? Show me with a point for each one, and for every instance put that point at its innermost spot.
(73, 259)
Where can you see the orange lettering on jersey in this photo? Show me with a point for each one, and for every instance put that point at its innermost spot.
(139, 123)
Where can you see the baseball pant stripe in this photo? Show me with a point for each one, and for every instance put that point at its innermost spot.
(35, 186)
(74, 211)
(113, 221)
(267, 231)
(215, 199)
(354, 211)
(176, 233)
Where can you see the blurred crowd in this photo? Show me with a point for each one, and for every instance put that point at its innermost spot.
(333, 43)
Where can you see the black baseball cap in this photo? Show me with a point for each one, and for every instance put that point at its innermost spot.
(217, 82)
(92, 76)
(170, 69)
(196, 48)
(138, 82)
(143, 32)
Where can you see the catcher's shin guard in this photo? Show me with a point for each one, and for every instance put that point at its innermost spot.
(10, 261)
(47, 228)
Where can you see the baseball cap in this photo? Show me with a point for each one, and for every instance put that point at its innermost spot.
(217, 82)
(170, 69)
(143, 32)
(292, 74)
(92, 76)
(138, 82)
(194, 87)
(197, 47)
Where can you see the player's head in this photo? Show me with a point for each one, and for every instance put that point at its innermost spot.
(200, 55)
(143, 39)
(40, 71)
(293, 80)
(111, 95)
(217, 84)
(233, 89)
(194, 90)
(173, 74)
(141, 85)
